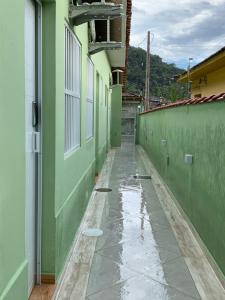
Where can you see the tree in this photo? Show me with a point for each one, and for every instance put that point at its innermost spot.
(162, 83)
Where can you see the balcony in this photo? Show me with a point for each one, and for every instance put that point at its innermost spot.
(105, 35)
(85, 11)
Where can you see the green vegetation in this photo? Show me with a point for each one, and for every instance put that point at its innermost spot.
(162, 82)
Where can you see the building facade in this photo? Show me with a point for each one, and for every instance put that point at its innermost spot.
(208, 77)
(56, 97)
(132, 105)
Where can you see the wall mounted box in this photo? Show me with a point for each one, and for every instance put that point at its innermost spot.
(163, 142)
(188, 159)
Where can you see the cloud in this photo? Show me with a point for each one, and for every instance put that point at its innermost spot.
(181, 29)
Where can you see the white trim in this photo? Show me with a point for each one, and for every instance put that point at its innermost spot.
(72, 91)
(39, 155)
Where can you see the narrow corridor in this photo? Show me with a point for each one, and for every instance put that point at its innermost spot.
(137, 257)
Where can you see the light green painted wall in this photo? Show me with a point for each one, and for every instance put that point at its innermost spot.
(69, 181)
(13, 265)
(116, 115)
(49, 139)
(199, 188)
(103, 107)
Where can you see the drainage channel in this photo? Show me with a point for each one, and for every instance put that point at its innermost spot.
(104, 190)
(142, 177)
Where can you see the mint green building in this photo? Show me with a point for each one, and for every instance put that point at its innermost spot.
(56, 126)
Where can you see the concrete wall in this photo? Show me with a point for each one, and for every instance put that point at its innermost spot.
(213, 83)
(199, 188)
(68, 182)
(13, 263)
(129, 117)
(116, 114)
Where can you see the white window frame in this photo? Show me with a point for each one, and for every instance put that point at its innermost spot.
(72, 91)
(90, 100)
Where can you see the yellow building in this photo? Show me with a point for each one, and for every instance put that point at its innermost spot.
(207, 77)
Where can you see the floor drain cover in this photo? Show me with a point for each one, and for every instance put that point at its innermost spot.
(93, 232)
(142, 177)
(104, 190)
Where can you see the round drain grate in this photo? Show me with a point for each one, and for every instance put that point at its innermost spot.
(142, 177)
(93, 232)
(104, 190)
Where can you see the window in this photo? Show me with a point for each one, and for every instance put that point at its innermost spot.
(90, 100)
(72, 92)
(198, 96)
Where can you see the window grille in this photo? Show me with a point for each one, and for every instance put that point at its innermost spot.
(72, 92)
(90, 100)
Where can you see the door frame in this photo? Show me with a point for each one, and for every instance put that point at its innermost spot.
(38, 158)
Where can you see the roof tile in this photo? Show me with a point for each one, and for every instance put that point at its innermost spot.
(202, 100)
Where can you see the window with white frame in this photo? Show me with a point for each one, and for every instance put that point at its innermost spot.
(90, 100)
(72, 91)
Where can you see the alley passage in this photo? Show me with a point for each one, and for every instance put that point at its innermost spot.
(137, 257)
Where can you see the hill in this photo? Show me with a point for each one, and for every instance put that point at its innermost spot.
(162, 83)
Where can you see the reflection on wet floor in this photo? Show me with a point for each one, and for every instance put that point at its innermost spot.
(137, 257)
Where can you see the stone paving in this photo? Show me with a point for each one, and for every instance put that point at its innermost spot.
(137, 257)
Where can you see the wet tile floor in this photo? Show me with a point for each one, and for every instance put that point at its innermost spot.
(137, 257)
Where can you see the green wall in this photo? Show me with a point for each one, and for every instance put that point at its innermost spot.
(49, 138)
(116, 115)
(68, 181)
(13, 263)
(199, 188)
(102, 107)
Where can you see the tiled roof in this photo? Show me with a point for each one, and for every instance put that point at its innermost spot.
(127, 96)
(202, 100)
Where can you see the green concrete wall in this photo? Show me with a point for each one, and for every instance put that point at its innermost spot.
(199, 188)
(116, 115)
(68, 181)
(13, 263)
(49, 139)
(102, 110)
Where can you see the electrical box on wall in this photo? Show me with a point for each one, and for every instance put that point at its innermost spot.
(163, 142)
(188, 159)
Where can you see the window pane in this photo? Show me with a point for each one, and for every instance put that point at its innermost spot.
(72, 92)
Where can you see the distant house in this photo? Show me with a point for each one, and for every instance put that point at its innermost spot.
(208, 77)
(132, 104)
(157, 101)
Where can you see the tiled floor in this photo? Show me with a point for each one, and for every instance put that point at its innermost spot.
(138, 257)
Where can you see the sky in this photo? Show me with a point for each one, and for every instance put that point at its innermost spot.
(180, 29)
